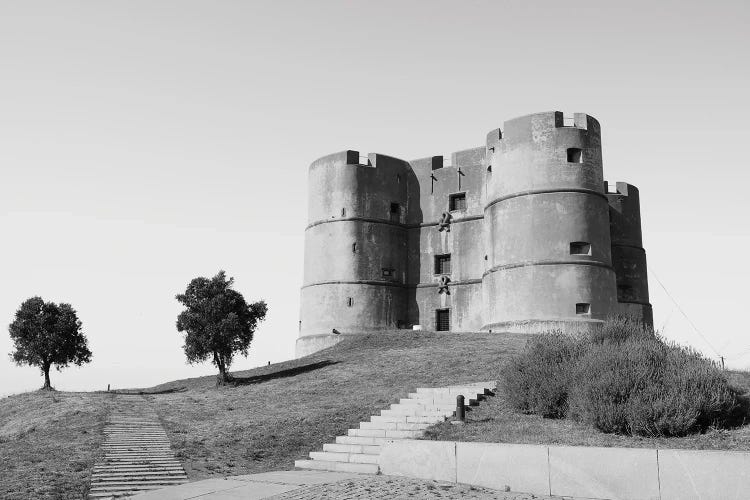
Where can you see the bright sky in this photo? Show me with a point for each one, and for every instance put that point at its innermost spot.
(143, 143)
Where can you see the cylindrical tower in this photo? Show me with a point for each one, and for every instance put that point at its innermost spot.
(355, 248)
(628, 255)
(546, 217)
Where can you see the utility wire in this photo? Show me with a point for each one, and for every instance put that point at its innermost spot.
(683, 313)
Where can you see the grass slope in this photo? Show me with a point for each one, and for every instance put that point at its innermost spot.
(281, 412)
(49, 442)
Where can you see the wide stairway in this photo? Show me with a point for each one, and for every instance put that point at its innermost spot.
(359, 450)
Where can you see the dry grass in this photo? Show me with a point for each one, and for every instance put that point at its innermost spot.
(49, 442)
(281, 412)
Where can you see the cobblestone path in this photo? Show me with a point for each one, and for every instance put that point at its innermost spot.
(137, 454)
(389, 487)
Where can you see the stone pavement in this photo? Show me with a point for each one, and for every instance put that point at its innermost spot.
(311, 484)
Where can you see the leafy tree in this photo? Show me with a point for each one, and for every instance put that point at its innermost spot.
(217, 321)
(46, 334)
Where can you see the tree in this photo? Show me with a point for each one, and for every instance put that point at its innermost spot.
(46, 334)
(217, 321)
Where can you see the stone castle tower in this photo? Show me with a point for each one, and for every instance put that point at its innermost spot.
(519, 235)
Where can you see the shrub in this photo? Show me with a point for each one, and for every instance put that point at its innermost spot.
(622, 379)
(536, 380)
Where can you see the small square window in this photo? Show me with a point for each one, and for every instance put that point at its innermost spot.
(443, 264)
(583, 308)
(388, 272)
(580, 248)
(575, 155)
(457, 201)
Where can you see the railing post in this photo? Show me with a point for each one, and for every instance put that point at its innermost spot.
(460, 408)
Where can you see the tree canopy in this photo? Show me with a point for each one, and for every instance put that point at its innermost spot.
(46, 334)
(217, 321)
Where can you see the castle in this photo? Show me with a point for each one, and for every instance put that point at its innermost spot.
(519, 235)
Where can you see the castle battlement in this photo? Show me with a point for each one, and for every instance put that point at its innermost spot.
(521, 233)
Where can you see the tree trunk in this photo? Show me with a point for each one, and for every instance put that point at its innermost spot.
(47, 385)
(223, 377)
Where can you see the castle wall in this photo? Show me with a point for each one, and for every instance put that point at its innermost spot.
(536, 243)
(540, 204)
(628, 255)
(352, 238)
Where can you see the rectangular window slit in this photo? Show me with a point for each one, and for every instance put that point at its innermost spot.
(580, 248)
(387, 272)
(583, 308)
(395, 212)
(575, 155)
(343, 212)
(350, 302)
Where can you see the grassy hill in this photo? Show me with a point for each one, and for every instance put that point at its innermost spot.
(278, 413)
(49, 442)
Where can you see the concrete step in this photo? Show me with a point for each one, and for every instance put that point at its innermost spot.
(337, 466)
(366, 441)
(136, 474)
(440, 401)
(389, 418)
(414, 412)
(360, 458)
(437, 408)
(394, 426)
(383, 433)
(425, 420)
(353, 448)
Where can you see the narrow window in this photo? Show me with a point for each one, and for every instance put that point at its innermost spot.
(443, 264)
(583, 308)
(575, 155)
(350, 302)
(442, 320)
(343, 212)
(387, 272)
(395, 212)
(398, 178)
(457, 201)
(580, 248)
(354, 247)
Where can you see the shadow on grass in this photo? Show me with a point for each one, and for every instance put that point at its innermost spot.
(130, 392)
(289, 372)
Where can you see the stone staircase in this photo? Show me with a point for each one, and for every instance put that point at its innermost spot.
(359, 450)
(137, 455)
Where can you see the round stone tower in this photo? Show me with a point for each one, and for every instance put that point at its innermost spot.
(355, 248)
(628, 255)
(547, 222)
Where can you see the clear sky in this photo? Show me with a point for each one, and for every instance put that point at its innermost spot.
(143, 143)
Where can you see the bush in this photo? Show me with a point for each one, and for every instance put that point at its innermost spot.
(622, 379)
(536, 381)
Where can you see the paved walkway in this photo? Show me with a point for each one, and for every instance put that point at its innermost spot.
(137, 453)
(310, 485)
